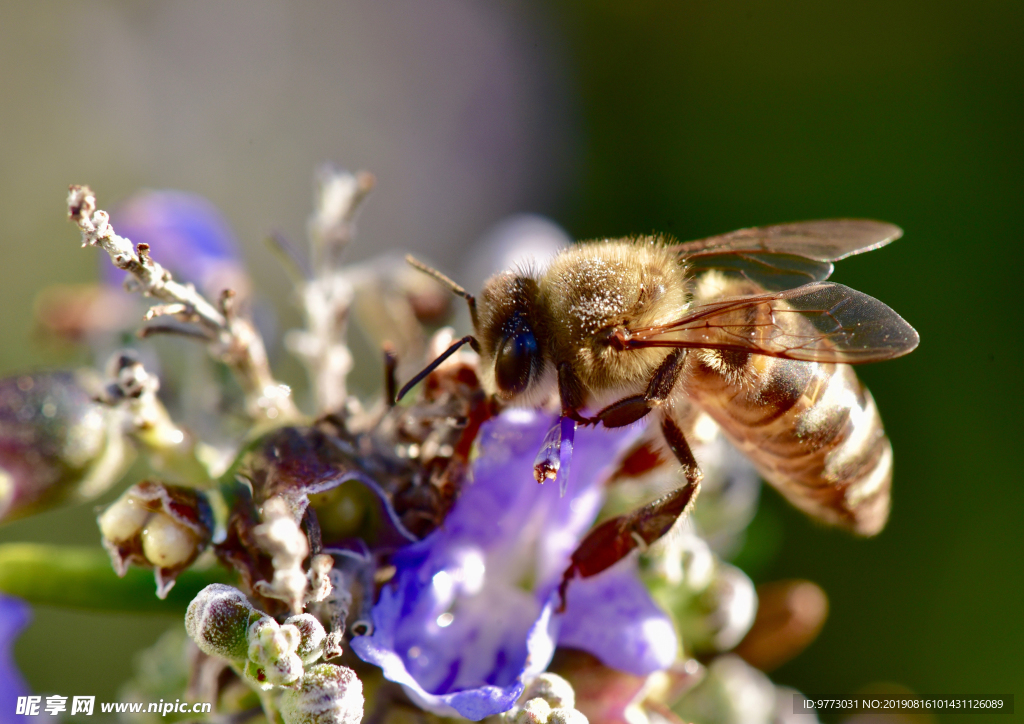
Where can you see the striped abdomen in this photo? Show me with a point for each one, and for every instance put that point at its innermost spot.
(811, 429)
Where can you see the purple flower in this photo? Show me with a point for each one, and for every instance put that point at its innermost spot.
(471, 609)
(188, 235)
(14, 614)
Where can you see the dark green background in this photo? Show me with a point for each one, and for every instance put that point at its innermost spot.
(703, 117)
(696, 118)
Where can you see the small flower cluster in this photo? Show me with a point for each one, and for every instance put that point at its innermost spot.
(269, 654)
(401, 552)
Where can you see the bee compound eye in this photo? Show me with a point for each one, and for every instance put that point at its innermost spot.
(515, 360)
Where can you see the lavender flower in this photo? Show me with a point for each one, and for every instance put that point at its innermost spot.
(195, 240)
(14, 615)
(471, 612)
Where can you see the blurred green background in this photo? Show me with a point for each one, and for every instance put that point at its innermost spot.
(701, 117)
(691, 118)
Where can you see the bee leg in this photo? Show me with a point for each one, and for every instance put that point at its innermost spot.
(613, 540)
(630, 409)
(570, 390)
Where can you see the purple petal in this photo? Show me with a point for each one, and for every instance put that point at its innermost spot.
(467, 614)
(611, 615)
(187, 234)
(516, 653)
(14, 615)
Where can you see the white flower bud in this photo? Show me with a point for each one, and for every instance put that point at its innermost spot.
(737, 605)
(166, 543)
(158, 526)
(313, 635)
(272, 651)
(534, 711)
(553, 689)
(218, 621)
(698, 563)
(123, 519)
(537, 710)
(732, 692)
(327, 694)
(722, 614)
(567, 715)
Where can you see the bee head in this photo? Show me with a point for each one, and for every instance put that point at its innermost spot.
(511, 342)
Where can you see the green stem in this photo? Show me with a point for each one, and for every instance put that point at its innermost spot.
(81, 577)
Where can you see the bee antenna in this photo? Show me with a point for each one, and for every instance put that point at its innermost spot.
(469, 339)
(455, 288)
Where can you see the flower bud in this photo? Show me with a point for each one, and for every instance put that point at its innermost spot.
(698, 563)
(553, 689)
(56, 442)
(732, 693)
(548, 699)
(312, 636)
(123, 519)
(158, 526)
(567, 715)
(327, 694)
(719, 617)
(166, 543)
(218, 621)
(534, 711)
(272, 653)
(538, 711)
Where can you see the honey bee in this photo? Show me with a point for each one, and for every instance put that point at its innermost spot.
(741, 326)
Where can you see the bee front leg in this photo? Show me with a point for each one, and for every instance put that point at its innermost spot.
(570, 390)
(630, 409)
(614, 539)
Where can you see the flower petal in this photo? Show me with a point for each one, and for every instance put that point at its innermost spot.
(468, 614)
(14, 615)
(188, 235)
(611, 615)
(533, 651)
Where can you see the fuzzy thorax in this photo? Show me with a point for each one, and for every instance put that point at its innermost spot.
(597, 287)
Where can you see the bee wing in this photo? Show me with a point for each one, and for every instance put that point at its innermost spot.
(787, 255)
(818, 322)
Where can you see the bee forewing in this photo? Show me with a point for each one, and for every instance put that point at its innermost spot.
(825, 240)
(772, 271)
(819, 322)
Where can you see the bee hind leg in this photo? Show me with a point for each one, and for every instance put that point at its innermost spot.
(614, 539)
(630, 409)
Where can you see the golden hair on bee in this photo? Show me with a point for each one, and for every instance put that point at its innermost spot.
(599, 286)
(743, 327)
